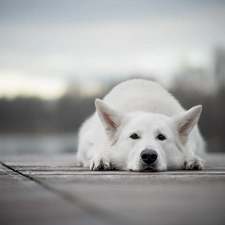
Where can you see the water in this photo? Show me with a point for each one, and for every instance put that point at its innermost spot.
(33, 144)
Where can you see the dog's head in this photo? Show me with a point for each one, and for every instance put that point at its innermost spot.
(147, 141)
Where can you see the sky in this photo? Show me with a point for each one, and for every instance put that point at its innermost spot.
(47, 44)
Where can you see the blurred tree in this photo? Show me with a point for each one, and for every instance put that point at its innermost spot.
(219, 65)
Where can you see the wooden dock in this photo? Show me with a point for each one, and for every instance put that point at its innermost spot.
(50, 190)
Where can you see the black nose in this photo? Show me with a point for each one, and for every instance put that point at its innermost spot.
(149, 156)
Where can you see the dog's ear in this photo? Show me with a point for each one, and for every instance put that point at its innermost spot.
(186, 121)
(110, 118)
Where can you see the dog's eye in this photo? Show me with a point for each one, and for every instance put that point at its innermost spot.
(134, 136)
(161, 137)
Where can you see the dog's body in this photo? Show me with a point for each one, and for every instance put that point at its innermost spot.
(139, 126)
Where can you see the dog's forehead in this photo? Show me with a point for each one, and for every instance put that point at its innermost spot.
(149, 121)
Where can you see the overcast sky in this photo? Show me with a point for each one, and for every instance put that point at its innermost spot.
(44, 44)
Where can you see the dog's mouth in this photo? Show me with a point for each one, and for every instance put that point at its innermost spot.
(148, 168)
(143, 167)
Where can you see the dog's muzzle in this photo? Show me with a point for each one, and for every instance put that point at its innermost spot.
(148, 157)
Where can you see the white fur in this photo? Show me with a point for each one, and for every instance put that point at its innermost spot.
(147, 109)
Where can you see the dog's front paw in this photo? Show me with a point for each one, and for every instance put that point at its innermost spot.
(100, 163)
(193, 163)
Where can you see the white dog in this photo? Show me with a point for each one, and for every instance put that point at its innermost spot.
(139, 126)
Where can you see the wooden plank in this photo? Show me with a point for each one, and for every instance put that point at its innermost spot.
(24, 202)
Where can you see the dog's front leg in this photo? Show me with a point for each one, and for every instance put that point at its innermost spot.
(100, 162)
(191, 160)
(193, 163)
